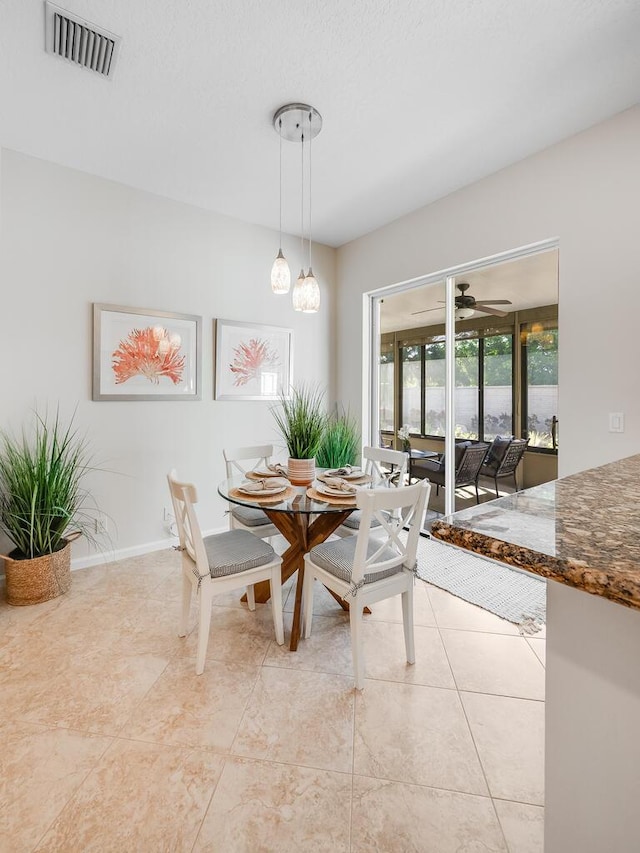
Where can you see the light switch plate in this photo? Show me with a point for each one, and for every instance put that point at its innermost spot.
(616, 422)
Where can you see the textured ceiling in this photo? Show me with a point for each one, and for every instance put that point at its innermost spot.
(418, 98)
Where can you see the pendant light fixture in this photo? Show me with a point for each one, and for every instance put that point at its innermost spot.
(311, 288)
(300, 123)
(280, 272)
(298, 298)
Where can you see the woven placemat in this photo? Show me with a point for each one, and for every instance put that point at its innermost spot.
(347, 500)
(288, 493)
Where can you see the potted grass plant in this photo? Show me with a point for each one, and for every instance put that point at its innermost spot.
(43, 507)
(301, 420)
(340, 443)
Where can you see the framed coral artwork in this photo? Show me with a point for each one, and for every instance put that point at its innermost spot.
(253, 362)
(140, 354)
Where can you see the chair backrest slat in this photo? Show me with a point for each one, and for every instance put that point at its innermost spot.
(394, 509)
(183, 497)
(259, 455)
(376, 457)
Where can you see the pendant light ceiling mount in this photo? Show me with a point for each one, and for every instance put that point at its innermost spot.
(299, 123)
(292, 120)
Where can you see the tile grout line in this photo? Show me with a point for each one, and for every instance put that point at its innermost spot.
(473, 740)
(75, 791)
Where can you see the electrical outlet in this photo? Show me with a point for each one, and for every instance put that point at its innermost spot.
(102, 525)
(167, 514)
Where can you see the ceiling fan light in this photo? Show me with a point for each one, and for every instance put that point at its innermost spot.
(280, 274)
(464, 313)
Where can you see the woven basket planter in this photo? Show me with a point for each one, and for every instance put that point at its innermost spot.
(37, 580)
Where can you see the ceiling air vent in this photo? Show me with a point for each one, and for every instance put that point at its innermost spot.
(80, 42)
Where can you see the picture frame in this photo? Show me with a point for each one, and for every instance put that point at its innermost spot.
(144, 354)
(252, 361)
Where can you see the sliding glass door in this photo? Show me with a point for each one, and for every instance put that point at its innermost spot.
(468, 359)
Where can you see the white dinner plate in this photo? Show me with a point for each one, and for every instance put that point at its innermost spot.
(264, 492)
(355, 475)
(327, 490)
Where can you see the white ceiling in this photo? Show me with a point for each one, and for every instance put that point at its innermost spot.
(527, 282)
(418, 98)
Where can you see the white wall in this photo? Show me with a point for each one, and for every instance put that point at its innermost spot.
(69, 240)
(584, 191)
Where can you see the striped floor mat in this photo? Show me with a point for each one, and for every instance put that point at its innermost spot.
(509, 593)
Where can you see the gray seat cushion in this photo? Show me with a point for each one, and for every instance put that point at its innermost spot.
(337, 558)
(236, 551)
(250, 516)
(354, 520)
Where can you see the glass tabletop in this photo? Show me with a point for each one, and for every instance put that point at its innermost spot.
(295, 499)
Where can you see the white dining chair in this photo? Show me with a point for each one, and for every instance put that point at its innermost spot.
(384, 466)
(242, 460)
(367, 568)
(220, 563)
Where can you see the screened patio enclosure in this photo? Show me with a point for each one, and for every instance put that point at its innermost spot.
(504, 371)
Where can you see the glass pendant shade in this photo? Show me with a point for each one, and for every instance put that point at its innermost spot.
(298, 293)
(280, 274)
(311, 299)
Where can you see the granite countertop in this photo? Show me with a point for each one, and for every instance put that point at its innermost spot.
(582, 530)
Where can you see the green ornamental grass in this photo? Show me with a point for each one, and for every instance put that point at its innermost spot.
(341, 442)
(301, 421)
(41, 494)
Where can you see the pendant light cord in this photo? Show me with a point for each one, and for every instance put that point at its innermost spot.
(302, 197)
(310, 138)
(280, 135)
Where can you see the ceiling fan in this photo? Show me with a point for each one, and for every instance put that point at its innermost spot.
(466, 305)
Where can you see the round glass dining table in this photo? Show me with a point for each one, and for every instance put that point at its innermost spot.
(304, 522)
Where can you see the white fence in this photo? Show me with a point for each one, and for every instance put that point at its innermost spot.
(543, 403)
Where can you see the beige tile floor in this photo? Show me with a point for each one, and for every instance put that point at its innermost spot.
(111, 743)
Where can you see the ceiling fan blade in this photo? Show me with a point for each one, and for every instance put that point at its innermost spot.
(486, 309)
(493, 302)
(424, 311)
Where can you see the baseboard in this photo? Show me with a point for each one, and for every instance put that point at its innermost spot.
(104, 557)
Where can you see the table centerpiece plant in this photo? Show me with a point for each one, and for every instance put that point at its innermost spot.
(340, 443)
(301, 420)
(43, 506)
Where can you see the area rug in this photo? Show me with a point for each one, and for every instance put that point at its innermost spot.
(511, 594)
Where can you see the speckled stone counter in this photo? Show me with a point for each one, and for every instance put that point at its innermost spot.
(582, 530)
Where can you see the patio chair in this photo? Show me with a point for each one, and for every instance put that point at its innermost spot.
(468, 461)
(385, 442)
(255, 521)
(370, 569)
(220, 563)
(505, 463)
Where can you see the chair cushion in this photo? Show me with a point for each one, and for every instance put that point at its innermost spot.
(336, 557)
(497, 450)
(250, 516)
(461, 446)
(236, 551)
(354, 521)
